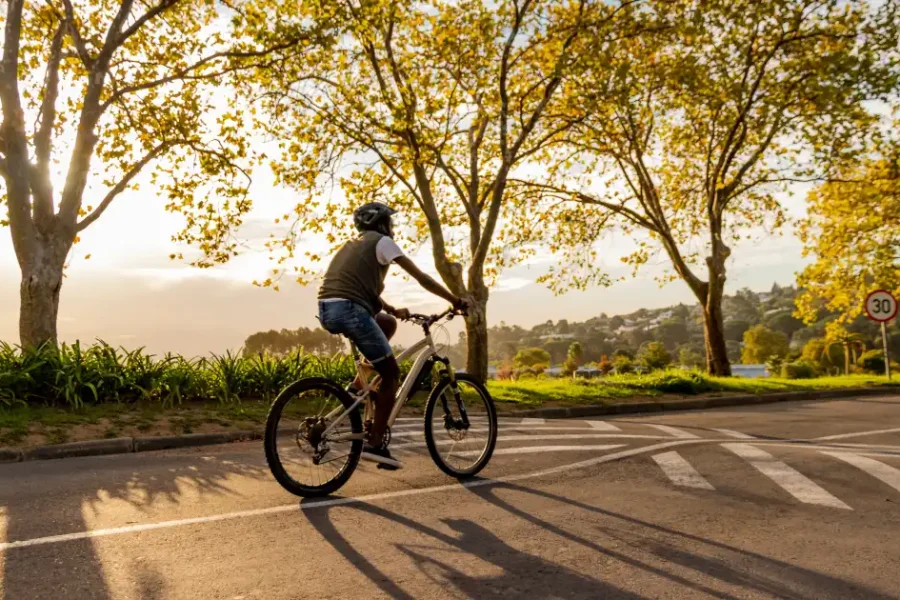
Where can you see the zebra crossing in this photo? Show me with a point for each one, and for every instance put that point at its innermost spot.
(762, 458)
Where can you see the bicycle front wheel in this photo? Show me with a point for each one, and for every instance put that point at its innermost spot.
(306, 455)
(457, 449)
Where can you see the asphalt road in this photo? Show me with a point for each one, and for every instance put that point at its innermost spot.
(798, 500)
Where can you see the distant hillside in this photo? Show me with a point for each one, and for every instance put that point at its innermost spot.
(679, 327)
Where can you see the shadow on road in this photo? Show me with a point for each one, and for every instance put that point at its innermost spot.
(688, 563)
(75, 569)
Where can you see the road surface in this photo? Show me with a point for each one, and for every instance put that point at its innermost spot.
(795, 500)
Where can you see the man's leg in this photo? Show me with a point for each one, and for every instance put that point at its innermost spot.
(388, 326)
(384, 398)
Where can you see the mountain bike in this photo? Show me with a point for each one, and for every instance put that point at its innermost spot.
(315, 430)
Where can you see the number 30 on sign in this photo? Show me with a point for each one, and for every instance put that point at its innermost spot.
(881, 306)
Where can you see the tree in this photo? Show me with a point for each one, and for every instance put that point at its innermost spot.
(686, 140)
(115, 87)
(654, 356)
(735, 329)
(853, 344)
(574, 359)
(761, 343)
(530, 357)
(784, 322)
(823, 355)
(672, 332)
(434, 108)
(853, 230)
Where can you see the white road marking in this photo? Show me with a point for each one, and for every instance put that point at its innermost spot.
(409, 432)
(288, 508)
(537, 449)
(680, 471)
(526, 438)
(876, 469)
(735, 434)
(843, 436)
(886, 451)
(794, 482)
(533, 421)
(603, 426)
(674, 431)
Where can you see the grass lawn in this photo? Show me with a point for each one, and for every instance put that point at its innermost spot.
(26, 426)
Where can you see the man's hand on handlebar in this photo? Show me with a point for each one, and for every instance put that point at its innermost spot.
(402, 313)
(461, 306)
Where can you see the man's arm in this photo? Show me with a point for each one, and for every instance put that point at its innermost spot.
(426, 281)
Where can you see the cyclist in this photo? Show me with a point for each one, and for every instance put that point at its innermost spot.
(350, 304)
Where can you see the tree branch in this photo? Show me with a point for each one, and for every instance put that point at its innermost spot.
(163, 6)
(122, 185)
(80, 46)
(41, 186)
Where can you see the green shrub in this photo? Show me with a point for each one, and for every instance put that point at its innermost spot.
(872, 362)
(797, 370)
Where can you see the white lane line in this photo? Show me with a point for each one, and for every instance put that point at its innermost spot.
(527, 438)
(680, 471)
(864, 451)
(793, 482)
(542, 449)
(885, 473)
(735, 434)
(533, 421)
(288, 508)
(603, 426)
(674, 431)
(843, 436)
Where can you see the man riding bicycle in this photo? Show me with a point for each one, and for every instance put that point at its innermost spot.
(350, 304)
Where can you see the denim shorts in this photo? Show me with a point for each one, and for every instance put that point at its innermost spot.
(349, 319)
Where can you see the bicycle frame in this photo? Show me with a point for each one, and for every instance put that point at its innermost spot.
(426, 352)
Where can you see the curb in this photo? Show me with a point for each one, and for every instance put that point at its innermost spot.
(148, 444)
(193, 440)
(696, 404)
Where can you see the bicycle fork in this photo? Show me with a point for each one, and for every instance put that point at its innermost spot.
(463, 422)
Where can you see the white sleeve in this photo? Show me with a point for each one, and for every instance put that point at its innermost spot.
(387, 251)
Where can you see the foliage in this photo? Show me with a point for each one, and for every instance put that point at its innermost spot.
(797, 370)
(872, 362)
(317, 341)
(71, 375)
(529, 357)
(853, 230)
(604, 365)
(622, 364)
(574, 358)
(687, 357)
(826, 357)
(760, 343)
(654, 356)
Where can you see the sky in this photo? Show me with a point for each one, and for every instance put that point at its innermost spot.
(129, 293)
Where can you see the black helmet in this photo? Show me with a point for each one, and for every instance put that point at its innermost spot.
(374, 216)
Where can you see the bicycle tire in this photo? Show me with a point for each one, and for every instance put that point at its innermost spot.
(433, 401)
(278, 471)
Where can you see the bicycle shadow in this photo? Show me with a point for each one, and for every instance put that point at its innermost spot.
(689, 563)
(33, 506)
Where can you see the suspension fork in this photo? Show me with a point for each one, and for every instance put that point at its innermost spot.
(454, 386)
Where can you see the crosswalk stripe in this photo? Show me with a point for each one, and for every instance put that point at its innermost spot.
(673, 431)
(603, 426)
(735, 434)
(533, 421)
(793, 482)
(536, 449)
(877, 469)
(843, 436)
(680, 471)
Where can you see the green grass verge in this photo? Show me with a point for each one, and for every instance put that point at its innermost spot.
(26, 425)
(621, 388)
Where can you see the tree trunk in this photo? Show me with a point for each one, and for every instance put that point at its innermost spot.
(42, 276)
(717, 362)
(477, 339)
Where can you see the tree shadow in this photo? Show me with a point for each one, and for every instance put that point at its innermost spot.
(693, 564)
(522, 574)
(36, 507)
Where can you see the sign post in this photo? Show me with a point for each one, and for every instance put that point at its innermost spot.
(881, 307)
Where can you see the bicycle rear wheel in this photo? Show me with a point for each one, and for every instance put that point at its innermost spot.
(458, 450)
(302, 457)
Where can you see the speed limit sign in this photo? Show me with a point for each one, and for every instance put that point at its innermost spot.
(881, 306)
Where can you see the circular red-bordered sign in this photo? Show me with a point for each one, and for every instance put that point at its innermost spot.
(881, 306)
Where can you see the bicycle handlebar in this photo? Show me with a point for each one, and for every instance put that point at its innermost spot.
(429, 320)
